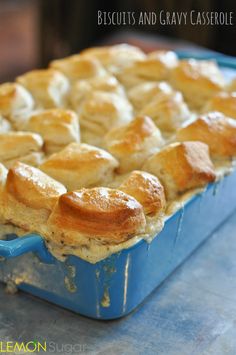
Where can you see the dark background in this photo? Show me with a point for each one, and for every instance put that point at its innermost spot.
(32, 32)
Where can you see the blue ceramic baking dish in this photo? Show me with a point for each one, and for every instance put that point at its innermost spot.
(116, 285)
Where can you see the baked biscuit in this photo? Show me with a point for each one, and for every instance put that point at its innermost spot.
(121, 104)
(77, 67)
(29, 196)
(223, 102)
(3, 178)
(115, 58)
(58, 127)
(100, 112)
(83, 88)
(168, 111)
(232, 85)
(147, 190)
(20, 146)
(48, 87)
(5, 125)
(106, 215)
(181, 166)
(80, 165)
(15, 103)
(214, 129)
(142, 94)
(133, 143)
(155, 67)
(198, 80)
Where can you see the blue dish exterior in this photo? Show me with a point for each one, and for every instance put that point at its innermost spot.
(115, 286)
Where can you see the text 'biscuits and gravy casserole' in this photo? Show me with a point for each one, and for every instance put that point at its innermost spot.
(98, 150)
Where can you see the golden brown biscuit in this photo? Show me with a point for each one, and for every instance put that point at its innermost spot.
(48, 87)
(133, 143)
(182, 166)
(155, 67)
(29, 196)
(3, 178)
(22, 146)
(83, 88)
(168, 111)
(115, 58)
(80, 165)
(147, 190)
(198, 80)
(58, 127)
(77, 67)
(142, 94)
(33, 159)
(5, 125)
(166, 59)
(214, 129)
(106, 215)
(223, 102)
(15, 103)
(232, 85)
(100, 112)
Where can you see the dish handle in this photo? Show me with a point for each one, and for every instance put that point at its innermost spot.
(22, 245)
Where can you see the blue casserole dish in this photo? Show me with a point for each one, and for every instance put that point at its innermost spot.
(115, 286)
